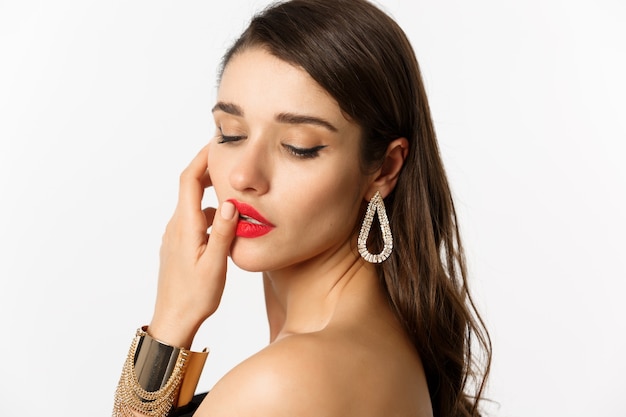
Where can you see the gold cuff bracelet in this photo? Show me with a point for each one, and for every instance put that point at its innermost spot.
(156, 377)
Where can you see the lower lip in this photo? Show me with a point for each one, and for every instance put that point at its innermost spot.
(251, 230)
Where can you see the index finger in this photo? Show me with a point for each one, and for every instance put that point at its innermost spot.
(193, 180)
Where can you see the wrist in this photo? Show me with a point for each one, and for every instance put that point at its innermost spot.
(172, 332)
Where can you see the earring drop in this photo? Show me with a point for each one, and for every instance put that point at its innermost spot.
(376, 205)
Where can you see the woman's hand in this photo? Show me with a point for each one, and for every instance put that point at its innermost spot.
(193, 264)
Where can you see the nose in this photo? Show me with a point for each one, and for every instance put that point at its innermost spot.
(250, 172)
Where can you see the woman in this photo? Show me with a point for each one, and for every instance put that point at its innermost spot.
(329, 179)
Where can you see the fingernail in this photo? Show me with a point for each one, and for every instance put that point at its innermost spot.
(228, 210)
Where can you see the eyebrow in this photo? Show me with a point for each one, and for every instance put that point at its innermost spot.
(229, 108)
(288, 118)
(298, 119)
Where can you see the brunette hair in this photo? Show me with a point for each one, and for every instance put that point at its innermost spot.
(362, 58)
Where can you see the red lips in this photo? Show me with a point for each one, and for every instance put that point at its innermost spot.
(251, 223)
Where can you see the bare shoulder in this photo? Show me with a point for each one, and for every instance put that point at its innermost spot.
(308, 375)
(289, 377)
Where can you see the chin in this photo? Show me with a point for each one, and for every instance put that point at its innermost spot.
(253, 257)
(250, 260)
(248, 266)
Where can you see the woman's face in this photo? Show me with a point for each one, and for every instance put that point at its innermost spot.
(284, 148)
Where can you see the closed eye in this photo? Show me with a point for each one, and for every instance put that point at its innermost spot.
(304, 153)
(229, 138)
(226, 139)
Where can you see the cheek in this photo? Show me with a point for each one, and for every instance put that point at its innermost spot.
(335, 197)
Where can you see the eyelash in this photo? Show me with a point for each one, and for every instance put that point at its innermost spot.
(302, 153)
(227, 139)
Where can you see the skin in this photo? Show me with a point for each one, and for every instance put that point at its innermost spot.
(336, 348)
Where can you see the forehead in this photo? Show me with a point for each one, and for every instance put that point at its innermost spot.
(261, 83)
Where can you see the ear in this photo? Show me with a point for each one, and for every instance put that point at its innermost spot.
(386, 177)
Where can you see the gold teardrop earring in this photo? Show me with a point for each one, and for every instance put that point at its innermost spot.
(376, 205)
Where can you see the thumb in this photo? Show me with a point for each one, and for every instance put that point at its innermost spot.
(223, 230)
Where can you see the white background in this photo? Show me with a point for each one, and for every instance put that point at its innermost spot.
(102, 104)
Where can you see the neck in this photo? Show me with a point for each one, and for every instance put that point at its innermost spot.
(310, 294)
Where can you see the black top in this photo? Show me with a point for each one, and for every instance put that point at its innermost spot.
(189, 409)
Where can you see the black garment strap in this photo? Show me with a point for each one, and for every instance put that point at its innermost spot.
(189, 409)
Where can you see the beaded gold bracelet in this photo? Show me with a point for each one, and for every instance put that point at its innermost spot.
(156, 377)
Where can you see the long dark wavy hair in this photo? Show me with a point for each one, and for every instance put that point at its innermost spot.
(362, 58)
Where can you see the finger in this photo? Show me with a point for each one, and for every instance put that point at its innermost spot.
(222, 231)
(206, 180)
(209, 214)
(192, 180)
